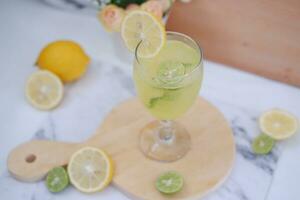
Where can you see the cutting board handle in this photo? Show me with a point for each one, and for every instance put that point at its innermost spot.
(32, 160)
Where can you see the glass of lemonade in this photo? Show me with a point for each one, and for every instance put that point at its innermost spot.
(168, 85)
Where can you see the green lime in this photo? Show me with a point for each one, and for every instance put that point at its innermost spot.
(57, 179)
(262, 144)
(169, 183)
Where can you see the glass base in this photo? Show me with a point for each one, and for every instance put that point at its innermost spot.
(165, 141)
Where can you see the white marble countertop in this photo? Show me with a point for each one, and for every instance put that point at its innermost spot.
(26, 26)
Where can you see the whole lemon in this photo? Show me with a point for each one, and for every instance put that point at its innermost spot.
(64, 58)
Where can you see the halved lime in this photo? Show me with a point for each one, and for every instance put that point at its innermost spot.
(262, 144)
(57, 179)
(169, 183)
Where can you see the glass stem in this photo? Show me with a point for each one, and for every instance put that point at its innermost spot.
(166, 131)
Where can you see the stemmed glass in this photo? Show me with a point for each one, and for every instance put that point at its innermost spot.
(168, 85)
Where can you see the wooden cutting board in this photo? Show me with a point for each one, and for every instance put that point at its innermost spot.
(204, 167)
(259, 36)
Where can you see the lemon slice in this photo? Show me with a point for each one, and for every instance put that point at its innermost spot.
(142, 26)
(90, 169)
(44, 90)
(278, 124)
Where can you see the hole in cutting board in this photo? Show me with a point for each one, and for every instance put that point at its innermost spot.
(30, 158)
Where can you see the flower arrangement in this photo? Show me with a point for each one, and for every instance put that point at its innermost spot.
(112, 12)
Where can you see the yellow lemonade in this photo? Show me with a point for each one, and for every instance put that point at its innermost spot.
(168, 83)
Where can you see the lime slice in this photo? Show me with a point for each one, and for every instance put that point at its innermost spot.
(170, 73)
(44, 90)
(141, 26)
(278, 124)
(90, 169)
(262, 144)
(57, 179)
(169, 183)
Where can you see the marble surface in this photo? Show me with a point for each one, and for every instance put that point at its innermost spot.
(28, 25)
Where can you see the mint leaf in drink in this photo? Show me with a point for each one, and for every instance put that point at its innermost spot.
(152, 95)
(168, 95)
(153, 101)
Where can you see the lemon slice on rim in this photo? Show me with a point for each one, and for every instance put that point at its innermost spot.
(141, 26)
(278, 124)
(90, 169)
(44, 90)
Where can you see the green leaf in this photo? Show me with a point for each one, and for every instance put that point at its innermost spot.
(139, 1)
(124, 3)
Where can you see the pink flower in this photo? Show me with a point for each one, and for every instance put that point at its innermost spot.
(154, 7)
(111, 17)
